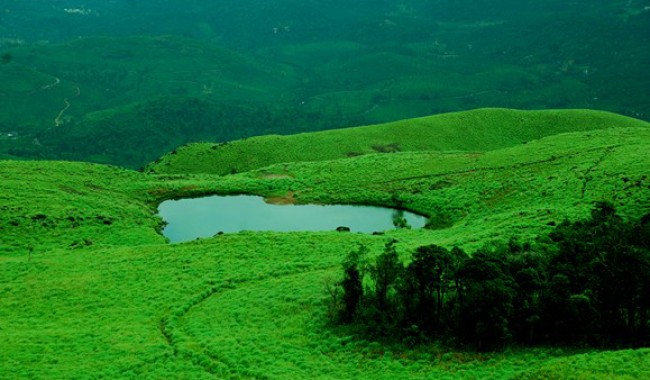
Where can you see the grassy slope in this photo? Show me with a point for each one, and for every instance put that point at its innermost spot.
(249, 305)
(62, 203)
(483, 129)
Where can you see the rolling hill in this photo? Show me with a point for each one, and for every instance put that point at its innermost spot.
(309, 102)
(86, 274)
(478, 130)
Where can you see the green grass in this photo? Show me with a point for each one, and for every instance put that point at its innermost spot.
(478, 130)
(619, 365)
(103, 295)
(62, 204)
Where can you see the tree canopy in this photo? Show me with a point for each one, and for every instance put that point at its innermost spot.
(589, 286)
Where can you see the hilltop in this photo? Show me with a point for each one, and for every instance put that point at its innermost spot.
(477, 130)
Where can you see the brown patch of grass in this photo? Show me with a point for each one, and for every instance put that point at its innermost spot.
(71, 190)
(492, 198)
(388, 148)
(276, 176)
(287, 199)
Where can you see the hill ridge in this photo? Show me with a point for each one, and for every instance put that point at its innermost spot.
(463, 131)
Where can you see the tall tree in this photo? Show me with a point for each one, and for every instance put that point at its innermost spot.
(487, 295)
(352, 283)
(385, 274)
(429, 275)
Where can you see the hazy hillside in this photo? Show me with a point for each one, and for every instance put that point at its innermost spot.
(295, 66)
(100, 73)
(478, 130)
(124, 101)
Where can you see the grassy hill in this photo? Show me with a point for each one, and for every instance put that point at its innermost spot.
(102, 285)
(478, 130)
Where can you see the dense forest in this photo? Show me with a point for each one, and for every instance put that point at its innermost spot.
(586, 283)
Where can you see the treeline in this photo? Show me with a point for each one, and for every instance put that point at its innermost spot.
(588, 285)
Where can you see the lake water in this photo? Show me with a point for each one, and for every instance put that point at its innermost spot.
(188, 219)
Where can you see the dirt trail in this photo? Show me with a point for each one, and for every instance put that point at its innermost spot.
(66, 101)
(53, 84)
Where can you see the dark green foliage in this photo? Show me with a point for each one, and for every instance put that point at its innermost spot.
(528, 270)
(641, 232)
(162, 124)
(592, 286)
(427, 280)
(382, 306)
(599, 281)
(399, 221)
(352, 284)
(439, 220)
(488, 292)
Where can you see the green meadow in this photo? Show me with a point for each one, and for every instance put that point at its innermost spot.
(89, 288)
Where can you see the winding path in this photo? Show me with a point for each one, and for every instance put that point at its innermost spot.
(57, 120)
(53, 84)
(198, 355)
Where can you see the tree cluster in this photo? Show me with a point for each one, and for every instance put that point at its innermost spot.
(588, 285)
